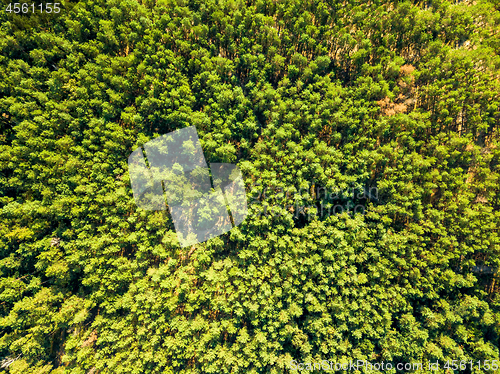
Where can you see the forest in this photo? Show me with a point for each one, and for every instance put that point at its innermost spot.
(367, 134)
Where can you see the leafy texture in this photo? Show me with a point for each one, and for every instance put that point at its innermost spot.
(402, 97)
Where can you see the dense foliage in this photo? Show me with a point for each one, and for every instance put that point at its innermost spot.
(398, 97)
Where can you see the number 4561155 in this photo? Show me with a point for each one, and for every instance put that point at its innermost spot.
(32, 8)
